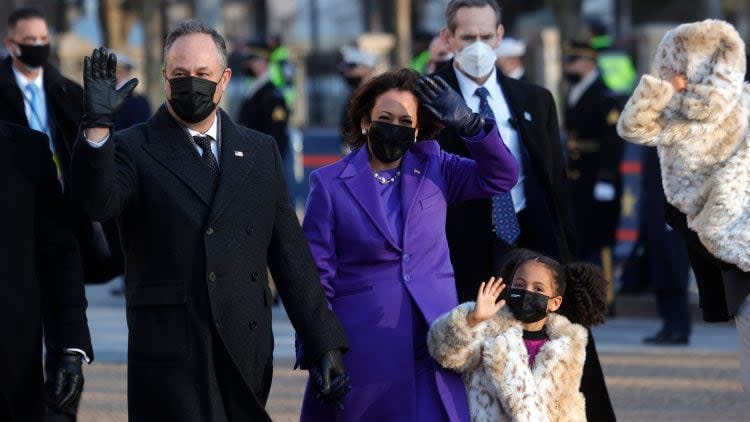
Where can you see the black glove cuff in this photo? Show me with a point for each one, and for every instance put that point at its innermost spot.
(97, 120)
(474, 127)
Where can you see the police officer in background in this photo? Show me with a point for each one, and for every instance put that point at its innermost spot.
(594, 155)
(616, 67)
(265, 109)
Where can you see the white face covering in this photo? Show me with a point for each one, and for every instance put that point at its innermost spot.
(476, 59)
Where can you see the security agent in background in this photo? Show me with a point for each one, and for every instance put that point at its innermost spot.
(594, 155)
(34, 94)
(510, 58)
(616, 66)
(264, 109)
(40, 279)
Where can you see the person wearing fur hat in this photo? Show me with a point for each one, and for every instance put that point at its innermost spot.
(524, 361)
(694, 109)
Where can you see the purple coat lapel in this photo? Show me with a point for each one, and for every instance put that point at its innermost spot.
(359, 182)
(413, 171)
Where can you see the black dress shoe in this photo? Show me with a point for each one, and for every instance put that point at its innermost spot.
(667, 339)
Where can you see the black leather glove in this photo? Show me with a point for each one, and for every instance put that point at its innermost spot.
(101, 101)
(66, 387)
(448, 106)
(329, 378)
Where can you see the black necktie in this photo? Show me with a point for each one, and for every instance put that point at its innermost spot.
(208, 156)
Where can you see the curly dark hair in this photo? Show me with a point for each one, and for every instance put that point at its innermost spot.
(585, 299)
(363, 100)
(582, 285)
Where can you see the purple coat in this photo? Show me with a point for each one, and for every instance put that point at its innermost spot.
(372, 280)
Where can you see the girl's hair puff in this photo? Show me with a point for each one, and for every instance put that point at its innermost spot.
(585, 299)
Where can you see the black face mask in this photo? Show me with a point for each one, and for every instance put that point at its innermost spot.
(192, 98)
(33, 55)
(572, 77)
(390, 142)
(526, 306)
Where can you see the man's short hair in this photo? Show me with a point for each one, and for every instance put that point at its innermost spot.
(452, 10)
(24, 13)
(192, 26)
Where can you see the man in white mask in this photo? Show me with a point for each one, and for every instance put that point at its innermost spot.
(535, 215)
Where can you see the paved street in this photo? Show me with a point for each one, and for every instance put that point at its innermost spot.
(693, 383)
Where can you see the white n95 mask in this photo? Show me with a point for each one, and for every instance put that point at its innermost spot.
(476, 59)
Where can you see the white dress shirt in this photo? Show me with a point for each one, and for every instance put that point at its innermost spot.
(502, 114)
(212, 132)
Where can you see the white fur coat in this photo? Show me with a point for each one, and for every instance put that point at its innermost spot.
(494, 362)
(701, 133)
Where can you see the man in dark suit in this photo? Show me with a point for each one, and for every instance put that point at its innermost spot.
(34, 94)
(40, 257)
(536, 213)
(527, 121)
(264, 109)
(594, 154)
(203, 209)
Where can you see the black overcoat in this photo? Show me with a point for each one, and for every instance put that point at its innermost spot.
(39, 257)
(196, 266)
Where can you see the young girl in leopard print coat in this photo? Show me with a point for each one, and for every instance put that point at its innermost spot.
(523, 362)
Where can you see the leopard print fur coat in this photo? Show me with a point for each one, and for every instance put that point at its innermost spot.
(495, 366)
(701, 133)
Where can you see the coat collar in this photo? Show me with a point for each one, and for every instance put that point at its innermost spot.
(237, 158)
(168, 143)
(518, 385)
(358, 180)
(357, 175)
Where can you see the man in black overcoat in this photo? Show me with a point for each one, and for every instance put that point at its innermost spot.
(40, 257)
(527, 120)
(203, 209)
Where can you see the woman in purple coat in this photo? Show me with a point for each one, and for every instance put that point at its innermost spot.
(375, 221)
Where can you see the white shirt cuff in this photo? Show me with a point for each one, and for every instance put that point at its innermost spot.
(97, 144)
(85, 356)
